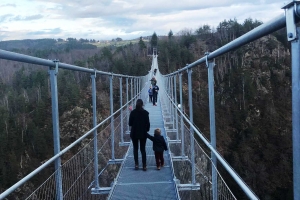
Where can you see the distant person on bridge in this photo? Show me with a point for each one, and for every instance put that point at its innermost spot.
(150, 94)
(140, 125)
(153, 81)
(155, 92)
(159, 145)
(155, 70)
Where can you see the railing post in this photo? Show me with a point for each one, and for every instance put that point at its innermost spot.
(181, 117)
(121, 113)
(131, 92)
(172, 97)
(122, 143)
(176, 113)
(112, 126)
(191, 128)
(127, 98)
(139, 90)
(293, 36)
(210, 65)
(134, 90)
(296, 114)
(55, 122)
(113, 160)
(96, 181)
(169, 91)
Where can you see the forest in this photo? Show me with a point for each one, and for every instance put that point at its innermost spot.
(252, 99)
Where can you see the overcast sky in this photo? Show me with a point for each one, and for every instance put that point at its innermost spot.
(128, 19)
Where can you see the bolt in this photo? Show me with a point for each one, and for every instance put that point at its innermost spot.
(290, 35)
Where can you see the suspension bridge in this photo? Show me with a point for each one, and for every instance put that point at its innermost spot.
(104, 167)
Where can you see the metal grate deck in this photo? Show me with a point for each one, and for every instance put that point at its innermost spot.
(150, 184)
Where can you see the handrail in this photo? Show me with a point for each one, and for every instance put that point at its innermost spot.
(231, 171)
(51, 160)
(40, 61)
(258, 32)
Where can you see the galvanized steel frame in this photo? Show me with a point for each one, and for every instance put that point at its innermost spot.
(290, 19)
(54, 65)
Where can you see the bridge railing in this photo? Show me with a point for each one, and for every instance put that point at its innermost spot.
(180, 140)
(91, 169)
(289, 20)
(78, 171)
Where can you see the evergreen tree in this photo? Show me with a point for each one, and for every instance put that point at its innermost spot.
(170, 35)
(203, 32)
(142, 44)
(154, 41)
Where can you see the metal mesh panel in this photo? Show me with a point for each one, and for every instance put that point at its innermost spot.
(156, 191)
(78, 171)
(48, 188)
(183, 168)
(77, 175)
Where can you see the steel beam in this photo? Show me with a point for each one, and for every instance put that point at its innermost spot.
(56, 135)
(96, 181)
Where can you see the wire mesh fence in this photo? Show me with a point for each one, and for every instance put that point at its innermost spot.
(78, 171)
(180, 142)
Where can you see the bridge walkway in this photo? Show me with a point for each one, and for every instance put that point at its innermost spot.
(150, 184)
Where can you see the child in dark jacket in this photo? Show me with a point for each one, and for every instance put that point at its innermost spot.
(150, 94)
(159, 145)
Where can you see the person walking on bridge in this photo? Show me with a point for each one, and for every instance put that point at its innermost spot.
(140, 125)
(150, 94)
(159, 146)
(154, 93)
(153, 81)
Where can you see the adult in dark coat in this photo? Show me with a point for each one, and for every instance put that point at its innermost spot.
(140, 125)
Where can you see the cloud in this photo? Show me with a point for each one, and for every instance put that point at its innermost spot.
(10, 18)
(8, 5)
(2, 34)
(99, 9)
(116, 21)
(106, 19)
(45, 32)
(5, 17)
(27, 18)
(28, 34)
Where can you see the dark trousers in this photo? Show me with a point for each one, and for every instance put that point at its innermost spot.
(154, 100)
(150, 98)
(159, 158)
(135, 143)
